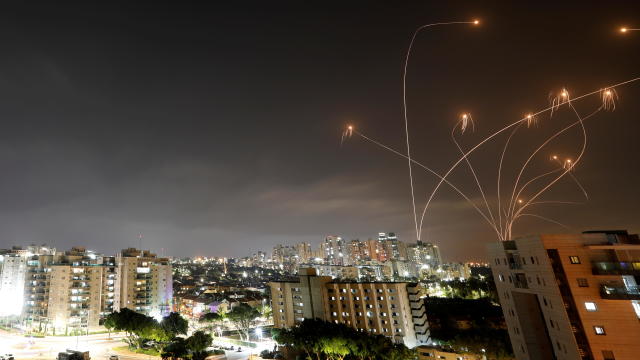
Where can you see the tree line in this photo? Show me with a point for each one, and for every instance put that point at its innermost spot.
(163, 335)
(321, 340)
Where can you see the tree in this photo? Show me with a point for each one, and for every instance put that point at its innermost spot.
(211, 317)
(265, 311)
(176, 349)
(335, 347)
(110, 324)
(242, 316)
(137, 327)
(198, 344)
(174, 324)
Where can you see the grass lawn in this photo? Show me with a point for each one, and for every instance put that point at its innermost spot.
(150, 352)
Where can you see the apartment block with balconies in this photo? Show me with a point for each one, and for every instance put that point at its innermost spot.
(392, 309)
(145, 282)
(570, 296)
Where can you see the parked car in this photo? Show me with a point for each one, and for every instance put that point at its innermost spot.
(114, 357)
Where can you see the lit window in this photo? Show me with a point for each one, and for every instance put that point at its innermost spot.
(574, 259)
(599, 330)
(590, 306)
(501, 277)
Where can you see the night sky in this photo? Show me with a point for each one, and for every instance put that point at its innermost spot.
(216, 130)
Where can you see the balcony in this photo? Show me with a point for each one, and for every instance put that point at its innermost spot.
(619, 292)
(616, 268)
(79, 285)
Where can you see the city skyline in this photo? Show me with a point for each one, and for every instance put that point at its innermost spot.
(217, 130)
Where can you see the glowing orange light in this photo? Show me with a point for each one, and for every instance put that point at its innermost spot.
(624, 30)
(476, 22)
(350, 127)
(519, 201)
(555, 157)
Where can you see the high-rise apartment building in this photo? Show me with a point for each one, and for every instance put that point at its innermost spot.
(12, 281)
(335, 250)
(394, 248)
(392, 309)
(145, 282)
(570, 296)
(70, 292)
(358, 252)
(422, 253)
(63, 291)
(303, 253)
(377, 250)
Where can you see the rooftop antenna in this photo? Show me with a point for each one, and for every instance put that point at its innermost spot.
(140, 244)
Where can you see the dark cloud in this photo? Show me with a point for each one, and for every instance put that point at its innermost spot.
(216, 130)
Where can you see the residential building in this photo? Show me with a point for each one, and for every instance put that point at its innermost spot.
(335, 250)
(570, 296)
(64, 291)
(392, 309)
(422, 253)
(394, 248)
(12, 283)
(145, 283)
(358, 252)
(303, 253)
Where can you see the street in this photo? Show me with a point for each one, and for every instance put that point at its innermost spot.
(99, 346)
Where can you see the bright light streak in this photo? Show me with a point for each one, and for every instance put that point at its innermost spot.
(465, 121)
(609, 98)
(406, 117)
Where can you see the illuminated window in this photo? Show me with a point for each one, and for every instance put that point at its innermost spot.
(574, 259)
(590, 306)
(599, 330)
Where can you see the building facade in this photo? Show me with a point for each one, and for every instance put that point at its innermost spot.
(145, 282)
(71, 292)
(392, 309)
(570, 296)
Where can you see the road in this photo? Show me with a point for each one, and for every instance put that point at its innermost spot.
(100, 346)
(234, 355)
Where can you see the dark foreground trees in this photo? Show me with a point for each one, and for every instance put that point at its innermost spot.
(141, 329)
(319, 340)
